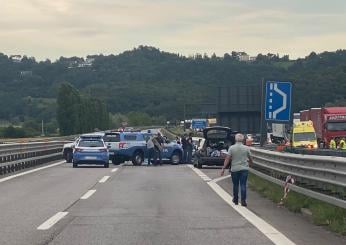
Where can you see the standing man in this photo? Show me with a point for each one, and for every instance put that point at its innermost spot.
(159, 146)
(241, 157)
(151, 150)
(189, 148)
(184, 145)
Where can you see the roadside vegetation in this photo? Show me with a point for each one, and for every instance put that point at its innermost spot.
(332, 217)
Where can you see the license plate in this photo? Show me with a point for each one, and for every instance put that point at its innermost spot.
(90, 158)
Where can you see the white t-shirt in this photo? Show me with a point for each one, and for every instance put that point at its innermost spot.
(150, 143)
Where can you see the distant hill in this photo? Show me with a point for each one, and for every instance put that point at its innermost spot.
(159, 83)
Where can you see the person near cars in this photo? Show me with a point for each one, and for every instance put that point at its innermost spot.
(177, 139)
(332, 144)
(189, 149)
(159, 144)
(151, 150)
(184, 146)
(240, 158)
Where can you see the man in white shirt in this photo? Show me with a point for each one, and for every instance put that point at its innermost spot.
(151, 150)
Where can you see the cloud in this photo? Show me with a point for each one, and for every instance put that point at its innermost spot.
(79, 27)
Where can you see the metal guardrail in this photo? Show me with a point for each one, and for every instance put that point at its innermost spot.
(20, 148)
(28, 162)
(15, 157)
(314, 174)
(318, 152)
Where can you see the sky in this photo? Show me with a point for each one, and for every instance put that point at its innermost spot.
(54, 28)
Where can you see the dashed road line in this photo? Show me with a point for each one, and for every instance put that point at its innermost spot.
(30, 171)
(269, 231)
(104, 179)
(114, 170)
(88, 194)
(52, 221)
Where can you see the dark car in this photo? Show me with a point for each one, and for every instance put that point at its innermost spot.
(217, 141)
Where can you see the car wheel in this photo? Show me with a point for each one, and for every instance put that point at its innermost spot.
(106, 165)
(75, 165)
(176, 158)
(69, 156)
(137, 158)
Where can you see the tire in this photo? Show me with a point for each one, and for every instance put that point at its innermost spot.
(69, 156)
(176, 158)
(116, 161)
(75, 165)
(138, 158)
(106, 165)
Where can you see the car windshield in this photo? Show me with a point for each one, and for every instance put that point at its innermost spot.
(336, 126)
(306, 136)
(112, 138)
(91, 143)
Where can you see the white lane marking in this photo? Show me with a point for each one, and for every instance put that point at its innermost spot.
(88, 194)
(114, 170)
(30, 171)
(104, 179)
(52, 221)
(269, 231)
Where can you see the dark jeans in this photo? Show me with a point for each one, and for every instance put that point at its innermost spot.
(239, 177)
(158, 154)
(151, 155)
(185, 155)
(189, 155)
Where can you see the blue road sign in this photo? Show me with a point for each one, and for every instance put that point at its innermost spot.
(278, 98)
(199, 123)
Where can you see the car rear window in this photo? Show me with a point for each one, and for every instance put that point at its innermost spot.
(91, 143)
(130, 137)
(217, 134)
(112, 138)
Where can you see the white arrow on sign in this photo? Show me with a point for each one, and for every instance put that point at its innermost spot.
(284, 101)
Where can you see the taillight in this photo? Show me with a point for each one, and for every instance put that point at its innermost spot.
(122, 145)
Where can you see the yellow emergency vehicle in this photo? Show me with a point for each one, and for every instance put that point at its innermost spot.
(304, 135)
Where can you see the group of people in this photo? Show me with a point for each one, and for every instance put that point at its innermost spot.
(337, 143)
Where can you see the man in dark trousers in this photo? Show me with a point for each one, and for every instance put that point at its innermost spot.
(184, 145)
(189, 149)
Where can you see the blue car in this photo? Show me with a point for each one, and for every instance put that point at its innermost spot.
(132, 146)
(90, 151)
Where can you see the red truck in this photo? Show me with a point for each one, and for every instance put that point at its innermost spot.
(329, 122)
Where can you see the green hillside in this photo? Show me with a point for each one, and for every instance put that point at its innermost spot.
(158, 83)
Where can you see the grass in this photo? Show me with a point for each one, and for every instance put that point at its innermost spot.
(334, 218)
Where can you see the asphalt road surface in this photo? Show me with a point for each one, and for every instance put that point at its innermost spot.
(120, 205)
